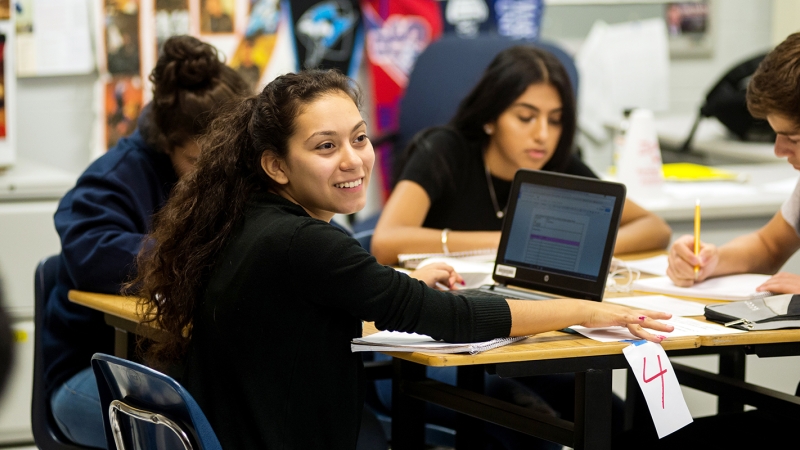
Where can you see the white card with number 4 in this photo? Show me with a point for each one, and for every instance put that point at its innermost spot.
(659, 385)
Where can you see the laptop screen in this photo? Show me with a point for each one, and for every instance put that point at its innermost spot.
(560, 230)
(559, 234)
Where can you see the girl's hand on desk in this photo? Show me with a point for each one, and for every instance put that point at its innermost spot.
(782, 283)
(608, 315)
(438, 273)
(682, 261)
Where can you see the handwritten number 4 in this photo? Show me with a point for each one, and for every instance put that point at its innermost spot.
(660, 374)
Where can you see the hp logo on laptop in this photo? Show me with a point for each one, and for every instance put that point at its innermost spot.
(547, 278)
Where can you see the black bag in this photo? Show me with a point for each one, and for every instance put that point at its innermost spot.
(727, 102)
(768, 313)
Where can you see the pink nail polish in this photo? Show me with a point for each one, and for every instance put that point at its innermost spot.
(642, 317)
(463, 283)
(661, 337)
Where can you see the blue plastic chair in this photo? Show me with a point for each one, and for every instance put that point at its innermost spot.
(46, 433)
(145, 409)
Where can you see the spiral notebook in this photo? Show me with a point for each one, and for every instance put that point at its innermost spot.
(731, 287)
(396, 341)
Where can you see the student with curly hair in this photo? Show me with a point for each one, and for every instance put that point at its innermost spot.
(262, 296)
(104, 218)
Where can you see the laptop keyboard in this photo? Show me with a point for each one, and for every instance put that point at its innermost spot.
(503, 293)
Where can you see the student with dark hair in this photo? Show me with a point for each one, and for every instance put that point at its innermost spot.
(772, 94)
(456, 180)
(455, 184)
(104, 218)
(265, 295)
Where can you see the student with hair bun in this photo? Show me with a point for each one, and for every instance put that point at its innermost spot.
(104, 218)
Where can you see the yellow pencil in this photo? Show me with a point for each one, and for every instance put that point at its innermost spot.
(696, 234)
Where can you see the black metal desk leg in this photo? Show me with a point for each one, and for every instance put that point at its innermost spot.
(732, 365)
(408, 414)
(469, 430)
(593, 410)
(121, 344)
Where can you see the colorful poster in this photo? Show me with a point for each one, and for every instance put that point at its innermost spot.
(327, 34)
(467, 18)
(255, 49)
(123, 101)
(516, 19)
(172, 19)
(217, 16)
(122, 37)
(397, 32)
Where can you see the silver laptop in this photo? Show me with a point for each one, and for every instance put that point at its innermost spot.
(558, 237)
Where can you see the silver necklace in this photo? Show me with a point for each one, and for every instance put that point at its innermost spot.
(498, 212)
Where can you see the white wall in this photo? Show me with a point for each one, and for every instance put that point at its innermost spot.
(740, 29)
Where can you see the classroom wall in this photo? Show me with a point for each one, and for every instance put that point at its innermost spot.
(56, 115)
(740, 28)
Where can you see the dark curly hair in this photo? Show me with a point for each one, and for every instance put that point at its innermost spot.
(189, 81)
(204, 207)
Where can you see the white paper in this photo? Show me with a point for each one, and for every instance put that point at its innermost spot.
(674, 306)
(656, 265)
(475, 274)
(60, 43)
(732, 287)
(657, 380)
(683, 327)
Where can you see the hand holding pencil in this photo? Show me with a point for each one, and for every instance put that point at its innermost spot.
(690, 259)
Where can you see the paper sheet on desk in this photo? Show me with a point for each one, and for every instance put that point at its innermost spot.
(656, 265)
(674, 306)
(475, 274)
(683, 327)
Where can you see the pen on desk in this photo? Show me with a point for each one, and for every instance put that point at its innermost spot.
(697, 235)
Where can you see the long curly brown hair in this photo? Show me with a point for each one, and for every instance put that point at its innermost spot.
(192, 228)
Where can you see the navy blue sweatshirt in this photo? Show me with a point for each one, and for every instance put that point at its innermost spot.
(101, 222)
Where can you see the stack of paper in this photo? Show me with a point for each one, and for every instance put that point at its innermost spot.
(395, 341)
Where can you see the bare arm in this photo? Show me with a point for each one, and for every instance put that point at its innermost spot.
(537, 317)
(641, 230)
(399, 229)
(763, 251)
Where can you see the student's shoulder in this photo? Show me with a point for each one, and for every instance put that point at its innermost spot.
(130, 157)
(440, 140)
(575, 166)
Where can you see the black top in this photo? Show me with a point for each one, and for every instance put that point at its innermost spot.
(452, 172)
(270, 361)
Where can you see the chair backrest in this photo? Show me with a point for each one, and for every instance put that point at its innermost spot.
(447, 70)
(145, 409)
(46, 433)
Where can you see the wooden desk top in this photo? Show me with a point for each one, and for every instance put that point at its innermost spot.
(550, 345)
(116, 305)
